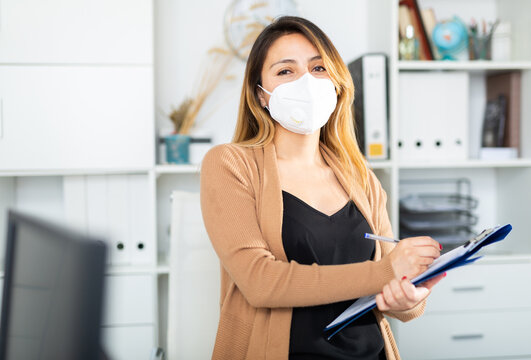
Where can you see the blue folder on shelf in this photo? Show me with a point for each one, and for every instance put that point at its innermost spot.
(460, 256)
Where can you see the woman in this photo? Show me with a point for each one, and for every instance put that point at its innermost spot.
(286, 206)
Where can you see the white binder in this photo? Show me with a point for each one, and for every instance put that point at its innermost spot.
(140, 242)
(434, 113)
(116, 207)
(369, 74)
(375, 105)
(98, 213)
(117, 199)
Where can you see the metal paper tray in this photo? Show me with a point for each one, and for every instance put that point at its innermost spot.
(437, 203)
(458, 237)
(438, 221)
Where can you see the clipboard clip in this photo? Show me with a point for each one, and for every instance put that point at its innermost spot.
(480, 237)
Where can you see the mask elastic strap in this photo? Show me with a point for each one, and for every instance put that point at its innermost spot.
(264, 89)
(266, 92)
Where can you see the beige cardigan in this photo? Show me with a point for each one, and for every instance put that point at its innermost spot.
(241, 202)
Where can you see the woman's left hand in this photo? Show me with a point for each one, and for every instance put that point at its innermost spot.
(401, 295)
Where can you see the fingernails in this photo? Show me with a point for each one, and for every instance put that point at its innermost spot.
(404, 277)
(440, 246)
(444, 274)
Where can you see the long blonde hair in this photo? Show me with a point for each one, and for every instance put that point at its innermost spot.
(255, 127)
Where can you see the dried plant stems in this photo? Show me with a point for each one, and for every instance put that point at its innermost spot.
(214, 70)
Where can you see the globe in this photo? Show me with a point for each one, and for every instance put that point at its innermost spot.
(451, 38)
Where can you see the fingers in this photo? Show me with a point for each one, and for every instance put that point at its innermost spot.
(393, 296)
(412, 256)
(424, 260)
(425, 241)
(404, 293)
(401, 295)
(381, 304)
(409, 290)
(415, 265)
(427, 251)
(421, 250)
(388, 294)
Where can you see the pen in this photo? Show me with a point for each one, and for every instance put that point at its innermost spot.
(378, 237)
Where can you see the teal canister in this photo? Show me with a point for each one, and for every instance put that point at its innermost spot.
(177, 149)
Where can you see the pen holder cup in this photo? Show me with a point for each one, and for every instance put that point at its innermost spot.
(479, 47)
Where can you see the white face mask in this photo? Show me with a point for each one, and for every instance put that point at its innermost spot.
(304, 105)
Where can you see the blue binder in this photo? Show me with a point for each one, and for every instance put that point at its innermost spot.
(463, 255)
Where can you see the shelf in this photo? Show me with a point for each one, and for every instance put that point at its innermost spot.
(467, 164)
(159, 169)
(386, 164)
(478, 65)
(68, 172)
(163, 270)
(129, 270)
(163, 266)
(177, 169)
(194, 168)
(493, 258)
(138, 269)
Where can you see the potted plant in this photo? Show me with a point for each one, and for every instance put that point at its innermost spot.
(178, 142)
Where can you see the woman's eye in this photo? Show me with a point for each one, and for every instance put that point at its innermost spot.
(319, 68)
(283, 72)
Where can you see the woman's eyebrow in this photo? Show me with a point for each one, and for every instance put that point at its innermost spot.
(283, 61)
(292, 61)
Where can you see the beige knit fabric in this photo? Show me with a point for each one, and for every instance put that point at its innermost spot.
(241, 202)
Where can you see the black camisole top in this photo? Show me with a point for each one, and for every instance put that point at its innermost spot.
(310, 236)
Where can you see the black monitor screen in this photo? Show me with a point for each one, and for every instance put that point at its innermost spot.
(53, 288)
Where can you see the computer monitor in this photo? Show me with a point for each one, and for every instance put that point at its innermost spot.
(53, 292)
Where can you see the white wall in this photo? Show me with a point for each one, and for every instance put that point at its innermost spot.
(185, 30)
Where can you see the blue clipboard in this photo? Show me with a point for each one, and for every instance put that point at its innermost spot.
(460, 256)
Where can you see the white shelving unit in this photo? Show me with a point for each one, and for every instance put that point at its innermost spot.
(477, 65)
(463, 318)
(177, 169)
(121, 47)
(383, 22)
(72, 172)
(471, 164)
(77, 143)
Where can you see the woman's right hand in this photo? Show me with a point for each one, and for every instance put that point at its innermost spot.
(412, 256)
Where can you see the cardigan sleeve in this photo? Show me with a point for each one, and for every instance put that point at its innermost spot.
(228, 205)
(378, 199)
